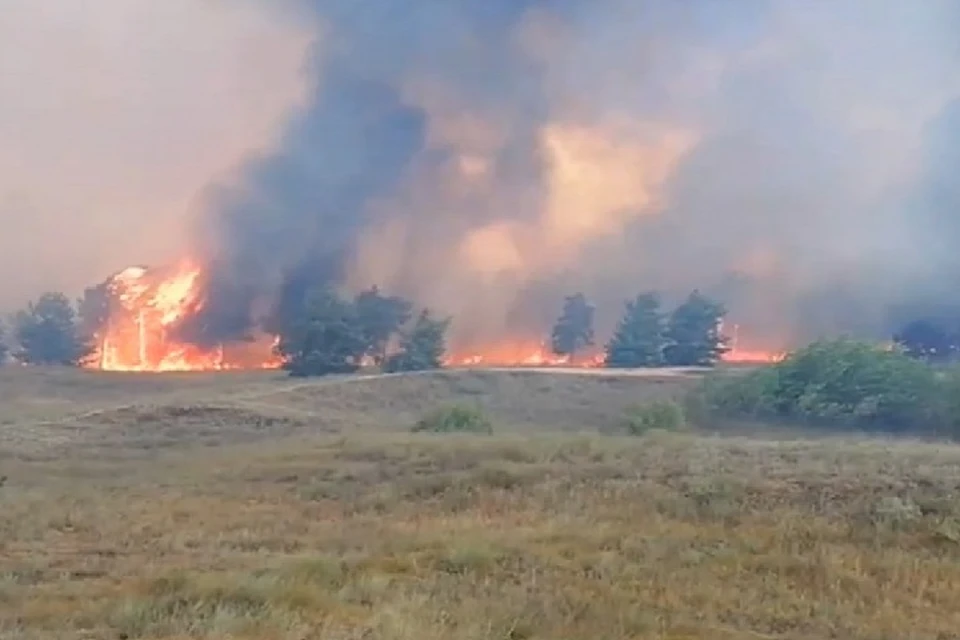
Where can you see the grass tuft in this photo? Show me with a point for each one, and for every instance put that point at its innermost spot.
(454, 419)
(660, 415)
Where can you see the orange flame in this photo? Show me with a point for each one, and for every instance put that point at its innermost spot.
(533, 354)
(148, 305)
(519, 353)
(146, 308)
(753, 356)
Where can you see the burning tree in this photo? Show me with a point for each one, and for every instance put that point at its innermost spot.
(48, 332)
(638, 340)
(136, 319)
(574, 328)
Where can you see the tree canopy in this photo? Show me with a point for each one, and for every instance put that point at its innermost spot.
(331, 334)
(638, 340)
(48, 332)
(324, 338)
(574, 328)
(380, 317)
(693, 333)
(422, 347)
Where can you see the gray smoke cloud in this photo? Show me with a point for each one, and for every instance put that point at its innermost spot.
(484, 158)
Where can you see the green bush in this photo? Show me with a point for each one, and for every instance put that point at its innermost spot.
(838, 383)
(666, 415)
(454, 419)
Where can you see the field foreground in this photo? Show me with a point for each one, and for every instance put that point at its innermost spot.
(529, 534)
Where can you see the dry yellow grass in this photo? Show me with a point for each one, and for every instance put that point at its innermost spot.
(533, 535)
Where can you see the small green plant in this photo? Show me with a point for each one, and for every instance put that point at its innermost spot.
(666, 415)
(454, 419)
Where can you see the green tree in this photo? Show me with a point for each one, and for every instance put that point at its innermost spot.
(48, 332)
(574, 328)
(380, 317)
(638, 338)
(693, 333)
(324, 338)
(422, 347)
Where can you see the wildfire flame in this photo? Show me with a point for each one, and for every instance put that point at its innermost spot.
(144, 309)
(532, 354)
(753, 356)
(519, 354)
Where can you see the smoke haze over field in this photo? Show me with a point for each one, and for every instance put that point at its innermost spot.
(114, 114)
(792, 157)
(485, 158)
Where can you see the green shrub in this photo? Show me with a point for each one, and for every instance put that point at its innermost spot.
(745, 395)
(666, 415)
(836, 383)
(454, 419)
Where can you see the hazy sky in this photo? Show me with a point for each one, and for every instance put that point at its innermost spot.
(114, 115)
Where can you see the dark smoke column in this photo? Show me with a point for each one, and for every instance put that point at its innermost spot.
(297, 213)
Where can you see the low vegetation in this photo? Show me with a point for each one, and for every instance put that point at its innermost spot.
(659, 414)
(407, 537)
(454, 419)
(842, 384)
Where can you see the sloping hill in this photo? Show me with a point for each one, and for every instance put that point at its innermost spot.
(46, 411)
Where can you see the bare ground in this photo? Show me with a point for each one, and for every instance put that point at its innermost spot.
(316, 515)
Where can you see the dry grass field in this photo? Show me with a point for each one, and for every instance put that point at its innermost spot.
(251, 506)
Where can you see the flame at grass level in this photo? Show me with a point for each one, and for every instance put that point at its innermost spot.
(534, 354)
(519, 354)
(145, 307)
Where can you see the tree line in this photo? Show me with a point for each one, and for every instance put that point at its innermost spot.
(327, 333)
(647, 335)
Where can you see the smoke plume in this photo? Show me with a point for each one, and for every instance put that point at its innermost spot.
(484, 158)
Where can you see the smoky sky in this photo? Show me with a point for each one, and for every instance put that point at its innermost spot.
(115, 114)
(798, 159)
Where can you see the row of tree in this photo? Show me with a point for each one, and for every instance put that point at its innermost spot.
(647, 336)
(329, 333)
